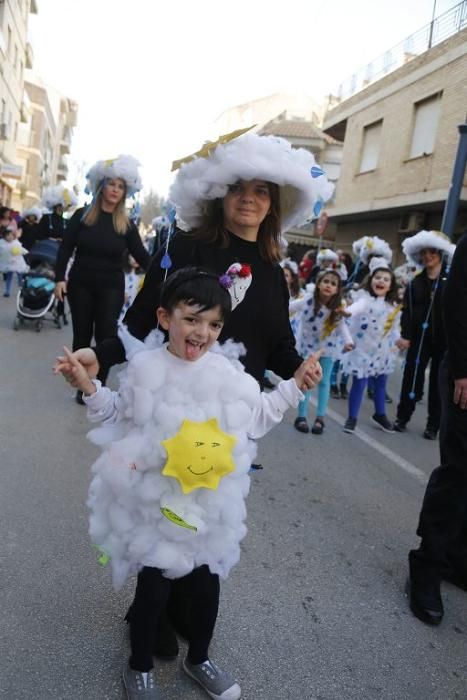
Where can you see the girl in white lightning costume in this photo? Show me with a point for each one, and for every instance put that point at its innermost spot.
(321, 327)
(375, 328)
(168, 493)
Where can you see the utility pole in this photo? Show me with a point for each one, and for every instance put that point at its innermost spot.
(452, 202)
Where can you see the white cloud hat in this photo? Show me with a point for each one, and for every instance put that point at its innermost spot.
(413, 245)
(303, 186)
(379, 264)
(326, 255)
(59, 194)
(32, 211)
(371, 245)
(123, 166)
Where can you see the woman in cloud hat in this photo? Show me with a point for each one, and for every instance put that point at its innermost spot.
(233, 200)
(422, 328)
(56, 201)
(98, 236)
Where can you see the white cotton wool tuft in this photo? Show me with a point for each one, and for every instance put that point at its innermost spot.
(143, 406)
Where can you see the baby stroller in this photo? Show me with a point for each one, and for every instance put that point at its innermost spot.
(35, 301)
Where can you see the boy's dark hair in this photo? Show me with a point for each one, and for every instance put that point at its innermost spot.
(4, 230)
(195, 286)
(391, 296)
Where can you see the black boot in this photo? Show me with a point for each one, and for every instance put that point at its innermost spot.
(344, 392)
(423, 588)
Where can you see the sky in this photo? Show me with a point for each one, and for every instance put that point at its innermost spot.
(151, 76)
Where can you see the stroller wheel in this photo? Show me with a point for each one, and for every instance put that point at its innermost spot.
(39, 325)
(16, 324)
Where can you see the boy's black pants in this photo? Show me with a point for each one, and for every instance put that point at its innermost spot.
(196, 600)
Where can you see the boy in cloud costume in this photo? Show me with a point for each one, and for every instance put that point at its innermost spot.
(168, 494)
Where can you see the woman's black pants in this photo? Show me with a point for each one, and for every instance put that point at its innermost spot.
(443, 518)
(95, 304)
(199, 596)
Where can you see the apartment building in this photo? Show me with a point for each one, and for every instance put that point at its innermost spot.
(44, 140)
(400, 137)
(15, 56)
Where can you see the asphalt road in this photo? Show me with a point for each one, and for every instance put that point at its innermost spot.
(315, 610)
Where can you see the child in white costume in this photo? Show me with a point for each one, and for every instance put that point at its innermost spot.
(168, 494)
(321, 327)
(375, 328)
(11, 259)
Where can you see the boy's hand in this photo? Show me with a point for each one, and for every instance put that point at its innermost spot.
(348, 347)
(85, 356)
(74, 372)
(309, 374)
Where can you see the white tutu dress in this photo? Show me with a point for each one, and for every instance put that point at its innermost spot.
(375, 328)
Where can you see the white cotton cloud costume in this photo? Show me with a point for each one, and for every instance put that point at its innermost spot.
(157, 392)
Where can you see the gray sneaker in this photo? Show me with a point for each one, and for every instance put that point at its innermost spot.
(140, 686)
(217, 683)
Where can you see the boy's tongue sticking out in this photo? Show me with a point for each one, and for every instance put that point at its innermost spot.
(193, 349)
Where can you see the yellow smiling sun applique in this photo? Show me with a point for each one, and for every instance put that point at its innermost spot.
(199, 455)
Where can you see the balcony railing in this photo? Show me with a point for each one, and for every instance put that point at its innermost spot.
(441, 28)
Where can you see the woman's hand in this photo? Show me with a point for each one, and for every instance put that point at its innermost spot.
(460, 393)
(309, 374)
(85, 356)
(60, 290)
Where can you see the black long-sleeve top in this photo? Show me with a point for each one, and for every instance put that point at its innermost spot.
(416, 303)
(260, 321)
(455, 311)
(99, 248)
(51, 226)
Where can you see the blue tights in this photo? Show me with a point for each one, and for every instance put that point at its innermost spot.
(323, 391)
(357, 390)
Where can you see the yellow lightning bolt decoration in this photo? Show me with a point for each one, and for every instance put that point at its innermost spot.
(210, 146)
(199, 455)
(390, 319)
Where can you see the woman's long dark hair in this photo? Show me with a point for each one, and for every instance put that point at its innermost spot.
(213, 230)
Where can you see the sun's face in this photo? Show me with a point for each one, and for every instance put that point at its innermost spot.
(199, 455)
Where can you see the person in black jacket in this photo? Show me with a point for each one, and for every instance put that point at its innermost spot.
(98, 237)
(29, 226)
(443, 518)
(422, 328)
(233, 211)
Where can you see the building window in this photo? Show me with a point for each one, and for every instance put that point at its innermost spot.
(370, 146)
(425, 125)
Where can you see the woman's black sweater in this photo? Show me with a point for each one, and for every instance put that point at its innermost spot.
(99, 248)
(260, 321)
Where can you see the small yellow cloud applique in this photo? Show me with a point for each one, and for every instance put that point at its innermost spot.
(199, 455)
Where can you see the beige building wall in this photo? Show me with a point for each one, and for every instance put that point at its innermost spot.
(15, 56)
(44, 142)
(400, 195)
